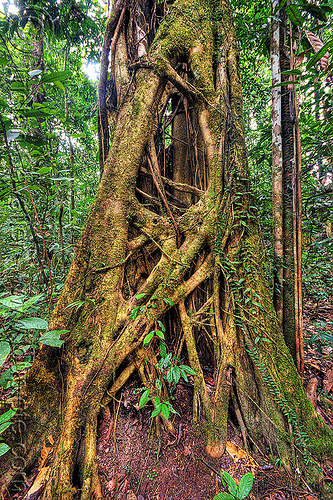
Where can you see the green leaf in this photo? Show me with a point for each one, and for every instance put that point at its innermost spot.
(294, 15)
(229, 481)
(35, 72)
(134, 313)
(163, 351)
(140, 296)
(224, 496)
(280, 6)
(168, 301)
(7, 415)
(18, 87)
(33, 113)
(176, 374)
(169, 375)
(144, 398)
(3, 103)
(171, 408)
(155, 412)
(160, 334)
(183, 374)
(56, 76)
(157, 402)
(4, 60)
(77, 303)
(147, 339)
(60, 86)
(4, 448)
(245, 486)
(44, 170)
(4, 426)
(187, 369)
(283, 84)
(315, 11)
(52, 338)
(165, 411)
(32, 324)
(6, 379)
(314, 59)
(161, 325)
(291, 72)
(20, 366)
(158, 384)
(4, 351)
(30, 302)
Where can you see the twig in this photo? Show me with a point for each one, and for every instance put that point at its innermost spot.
(206, 464)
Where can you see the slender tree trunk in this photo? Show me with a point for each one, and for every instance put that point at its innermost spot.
(277, 164)
(142, 254)
(297, 225)
(291, 205)
(71, 161)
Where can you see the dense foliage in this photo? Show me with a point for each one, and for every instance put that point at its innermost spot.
(49, 167)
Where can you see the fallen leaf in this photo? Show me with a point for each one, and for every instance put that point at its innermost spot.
(131, 495)
(238, 453)
(45, 451)
(311, 391)
(38, 484)
(328, 381)
(187, 450)
(116, 479)
(111, 484)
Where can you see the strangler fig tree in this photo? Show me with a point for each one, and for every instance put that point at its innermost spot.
(173, 234)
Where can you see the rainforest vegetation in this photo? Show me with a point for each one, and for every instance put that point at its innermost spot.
(166, 248)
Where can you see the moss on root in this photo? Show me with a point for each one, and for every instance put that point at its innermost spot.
(214, 268)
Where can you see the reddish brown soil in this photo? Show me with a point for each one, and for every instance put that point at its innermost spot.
(136, 464)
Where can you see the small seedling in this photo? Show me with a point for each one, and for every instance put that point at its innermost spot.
(235, 492)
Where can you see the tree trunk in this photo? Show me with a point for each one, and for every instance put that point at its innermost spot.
(277, 165)
(287, 203)
(143, 253)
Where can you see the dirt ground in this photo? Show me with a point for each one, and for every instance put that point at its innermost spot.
(137, 464)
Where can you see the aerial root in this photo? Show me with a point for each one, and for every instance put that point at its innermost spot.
(91, 483)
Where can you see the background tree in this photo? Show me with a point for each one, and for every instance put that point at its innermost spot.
(155, 249)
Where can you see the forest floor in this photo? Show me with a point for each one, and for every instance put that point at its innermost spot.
(135, 464)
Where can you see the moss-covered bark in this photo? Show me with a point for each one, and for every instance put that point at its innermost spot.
(142, 244)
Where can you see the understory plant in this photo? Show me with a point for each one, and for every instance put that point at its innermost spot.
(235, 492)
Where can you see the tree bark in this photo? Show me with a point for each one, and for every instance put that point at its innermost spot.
(277, 165)
(143, 254)
(287, 197)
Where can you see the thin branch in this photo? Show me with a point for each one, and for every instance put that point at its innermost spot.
(12, 176)
(164, 68)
